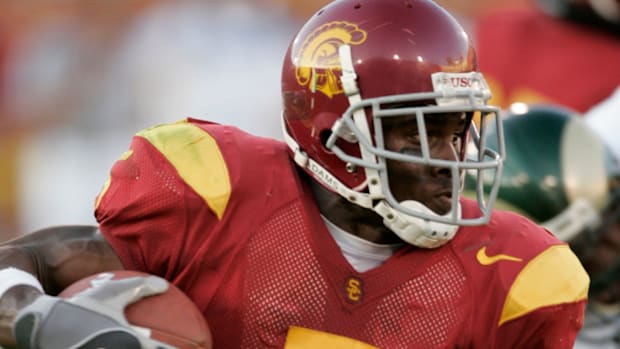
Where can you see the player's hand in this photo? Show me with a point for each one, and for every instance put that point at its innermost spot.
(92, 319)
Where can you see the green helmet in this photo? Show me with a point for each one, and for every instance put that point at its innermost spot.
(554, 161)
(558, 172)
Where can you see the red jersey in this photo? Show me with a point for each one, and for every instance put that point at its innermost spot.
(528, 56)
(229, 219)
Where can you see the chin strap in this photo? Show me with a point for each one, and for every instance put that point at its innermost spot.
(322, 175)
(349, 85)
(417, 231)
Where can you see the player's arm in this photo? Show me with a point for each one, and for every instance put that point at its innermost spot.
(55, 257)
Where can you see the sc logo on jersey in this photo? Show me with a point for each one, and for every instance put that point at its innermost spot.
(318, 60)
(353, 289)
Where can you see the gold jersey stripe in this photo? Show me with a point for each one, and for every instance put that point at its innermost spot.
(197, 159)
(107, 183)
(555, 276)
(305, 338)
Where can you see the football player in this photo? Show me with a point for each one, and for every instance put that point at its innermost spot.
(350, 234)
(561, 174)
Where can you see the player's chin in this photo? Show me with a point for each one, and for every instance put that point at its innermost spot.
(440, 204)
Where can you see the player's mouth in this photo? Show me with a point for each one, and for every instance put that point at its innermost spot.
(441, 203)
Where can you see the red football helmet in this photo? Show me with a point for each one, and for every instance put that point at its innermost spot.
(356, 62)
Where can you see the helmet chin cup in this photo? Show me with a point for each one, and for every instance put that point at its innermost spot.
(414, 230)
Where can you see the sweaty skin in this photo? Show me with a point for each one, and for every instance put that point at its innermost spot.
(431, 186)
(57, 256)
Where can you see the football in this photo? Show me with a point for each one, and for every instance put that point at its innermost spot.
(170, 317)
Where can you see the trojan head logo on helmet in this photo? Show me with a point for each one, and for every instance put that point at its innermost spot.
(319, 63)
(354, 64)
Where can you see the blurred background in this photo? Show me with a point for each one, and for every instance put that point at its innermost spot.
(79, 78)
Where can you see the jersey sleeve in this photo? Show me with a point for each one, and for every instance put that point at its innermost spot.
(545, 305)
(552, 327)
(163, 197)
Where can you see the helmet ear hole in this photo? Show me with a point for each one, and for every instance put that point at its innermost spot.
(323, 137)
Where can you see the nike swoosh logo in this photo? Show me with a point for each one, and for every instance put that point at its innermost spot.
(485, 259)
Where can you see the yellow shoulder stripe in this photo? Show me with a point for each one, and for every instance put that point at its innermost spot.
(305, 338)
(197, 159)
(555, 276)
